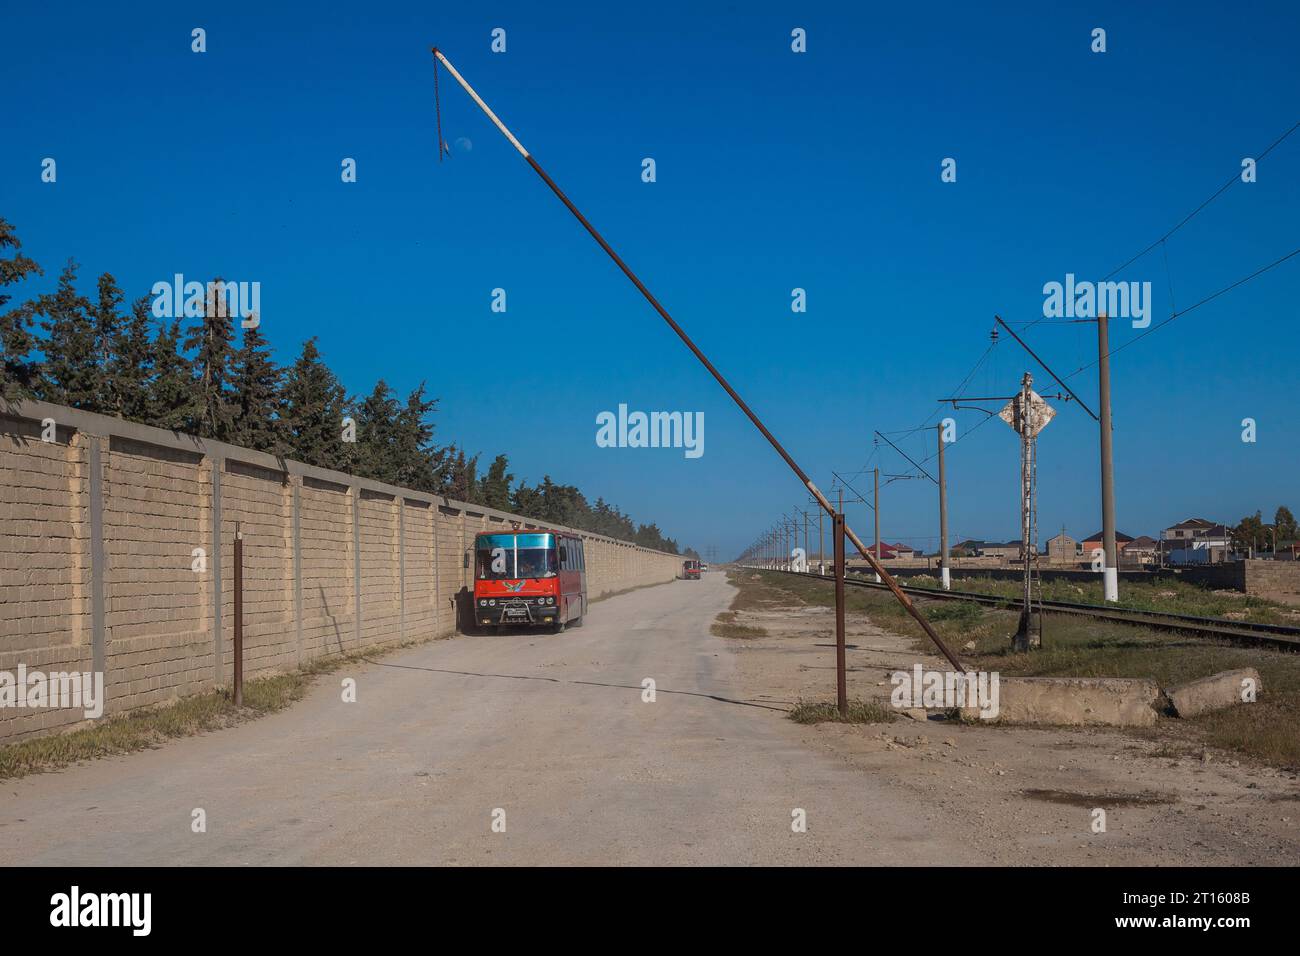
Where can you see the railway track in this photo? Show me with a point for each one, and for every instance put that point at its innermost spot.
(1281, 635)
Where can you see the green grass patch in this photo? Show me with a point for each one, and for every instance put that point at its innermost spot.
(1268, 730)
(1168, 595)
(150, 728)
(822, 712)
(726, 625)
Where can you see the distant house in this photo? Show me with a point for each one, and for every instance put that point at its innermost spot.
(1094, 542)
(893, 552)
(1142, 550)
(1062, 549)
(1195, 541)
(1186, 530)
(1009, 551)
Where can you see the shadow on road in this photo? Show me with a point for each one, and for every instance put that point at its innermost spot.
(588, 683)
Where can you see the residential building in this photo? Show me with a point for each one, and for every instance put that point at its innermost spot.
(1093, 543)
(1062, 549)
(1195, 541)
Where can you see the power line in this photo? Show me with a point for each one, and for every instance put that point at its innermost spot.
(1235, 177)
(1208, 298)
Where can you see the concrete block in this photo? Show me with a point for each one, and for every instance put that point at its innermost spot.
(1214, 692)
(1075, 701)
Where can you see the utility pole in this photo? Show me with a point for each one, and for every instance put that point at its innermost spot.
(1022, 638)
(839, 555)
(805, 537)
(1110, 573)
(944, 576)
(821, 544)
(875, 497)
(841, 681)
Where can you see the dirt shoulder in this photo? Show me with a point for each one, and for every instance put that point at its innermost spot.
(1022, 795)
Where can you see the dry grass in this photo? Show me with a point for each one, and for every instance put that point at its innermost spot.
(726, 625)
(1268, 731)
(859, 712)
(149, 728)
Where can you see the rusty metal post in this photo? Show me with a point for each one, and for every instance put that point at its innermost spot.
(807, 482)
(239, 616)
(841, 679)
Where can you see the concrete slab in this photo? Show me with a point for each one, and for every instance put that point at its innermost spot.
(1075, 701)
(1215, 692)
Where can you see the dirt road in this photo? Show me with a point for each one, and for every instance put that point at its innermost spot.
(552, 730)
(551, 735)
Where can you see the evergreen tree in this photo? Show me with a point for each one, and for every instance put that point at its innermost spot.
(171, 401)
(314, 407)
(458, 475)
(378, 449)
(72, 372)
(210, 340)
(255, 383)
(131, 365)
(107, 322)
(494, 488)
(18, 372)
(417, 457)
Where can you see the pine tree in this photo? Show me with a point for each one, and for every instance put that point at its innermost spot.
(18, 372)
(458, 475)
(377, 440)
(255, 383)
(171, 399)
(494, 488)
(72, 372)
(314, 404)
(210, 339)
(417, 459)
(131, 365)
(106, 321)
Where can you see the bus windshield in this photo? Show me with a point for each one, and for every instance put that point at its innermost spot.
(506, 557)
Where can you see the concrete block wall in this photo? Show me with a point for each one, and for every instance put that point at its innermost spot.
(117, 554)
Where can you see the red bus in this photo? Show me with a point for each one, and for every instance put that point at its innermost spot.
(536, 578)
(691, 569)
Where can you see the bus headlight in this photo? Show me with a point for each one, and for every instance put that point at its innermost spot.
(550, 600)
(492, 602)
(482, 602)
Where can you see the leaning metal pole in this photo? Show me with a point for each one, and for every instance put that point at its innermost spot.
(686, 339)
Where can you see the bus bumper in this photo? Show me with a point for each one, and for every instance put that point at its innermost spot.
(516, 612)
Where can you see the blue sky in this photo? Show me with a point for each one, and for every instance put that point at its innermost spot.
(775, 170)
